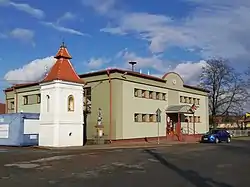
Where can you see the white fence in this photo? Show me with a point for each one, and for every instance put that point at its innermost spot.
(239, 133)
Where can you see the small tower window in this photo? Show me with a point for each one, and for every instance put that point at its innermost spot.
(47, 102)
(70, 103)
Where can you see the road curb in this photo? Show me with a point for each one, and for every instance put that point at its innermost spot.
(87, 148)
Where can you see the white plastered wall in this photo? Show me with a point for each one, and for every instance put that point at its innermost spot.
(58, 126)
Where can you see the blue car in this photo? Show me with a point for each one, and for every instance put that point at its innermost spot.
(216, 136)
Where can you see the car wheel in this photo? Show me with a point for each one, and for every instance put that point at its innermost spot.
(228, 140)
(217, 140)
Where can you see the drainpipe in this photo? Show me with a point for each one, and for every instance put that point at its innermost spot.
(6, 103)
(16, 100)
(110, 107)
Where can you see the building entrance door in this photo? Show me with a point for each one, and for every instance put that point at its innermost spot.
(172, 123)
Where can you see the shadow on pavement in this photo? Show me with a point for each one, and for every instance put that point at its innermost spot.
(237, 146)
(189, 175)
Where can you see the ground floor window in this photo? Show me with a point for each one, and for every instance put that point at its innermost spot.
(138, 117)
(193, 119)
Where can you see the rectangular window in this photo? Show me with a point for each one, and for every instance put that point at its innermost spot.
(136, 117)
(186, 99)
(181, 99)
(12, 105)
(136, 92)
(190, 100)
(194, 101)
(198, 101)
(152, 117)
(157, 96)
(150, 95)
(199, 119)
(164, 96)
(144, 117)
(31, 99)
(38, 98)
(25, 100)
(143, 93)
(154, 95)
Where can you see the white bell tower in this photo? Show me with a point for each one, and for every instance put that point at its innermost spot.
(61, 113)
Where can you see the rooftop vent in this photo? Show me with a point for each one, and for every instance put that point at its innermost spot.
(132, 63)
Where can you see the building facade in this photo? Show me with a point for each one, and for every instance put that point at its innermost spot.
(128, 101)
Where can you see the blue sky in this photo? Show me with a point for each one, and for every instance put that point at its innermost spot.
(162, 35)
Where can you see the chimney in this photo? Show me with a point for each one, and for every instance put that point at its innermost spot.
(140, 71)
(148, 72)
(132, 63)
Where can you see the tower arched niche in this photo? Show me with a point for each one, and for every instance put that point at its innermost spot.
(71, 103)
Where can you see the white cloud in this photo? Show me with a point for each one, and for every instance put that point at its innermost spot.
(24, 35)
(214, 28)
(101, 6)
(190, 71)
(37, 13)
(67, 16)
(151, 62)
(96, 63)
(64, 29)
(30, 72)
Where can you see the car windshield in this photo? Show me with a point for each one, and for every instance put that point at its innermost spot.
(213, 131)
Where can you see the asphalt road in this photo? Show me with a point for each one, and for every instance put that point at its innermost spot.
(191, 165)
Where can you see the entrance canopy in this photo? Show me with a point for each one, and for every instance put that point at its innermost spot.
(184, 109)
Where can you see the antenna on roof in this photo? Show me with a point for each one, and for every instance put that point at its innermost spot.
(132, 63)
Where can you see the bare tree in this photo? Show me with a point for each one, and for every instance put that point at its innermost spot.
(228, 93)
(248, 87)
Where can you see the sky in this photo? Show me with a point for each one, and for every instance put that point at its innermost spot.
(161, 35)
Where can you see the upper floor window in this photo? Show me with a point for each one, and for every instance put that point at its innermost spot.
(25, 100)
(198, 101)
(32, 99)
(70, 103)
(38, 99)
(136, 92)
(164, 96)
(149, 94)
(12, 105)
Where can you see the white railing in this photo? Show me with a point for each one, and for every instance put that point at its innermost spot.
(239, 133)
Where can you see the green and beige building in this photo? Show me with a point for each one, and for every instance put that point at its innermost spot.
(128, 101)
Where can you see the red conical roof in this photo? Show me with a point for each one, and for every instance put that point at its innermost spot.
(63, 53)
(63, 69)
